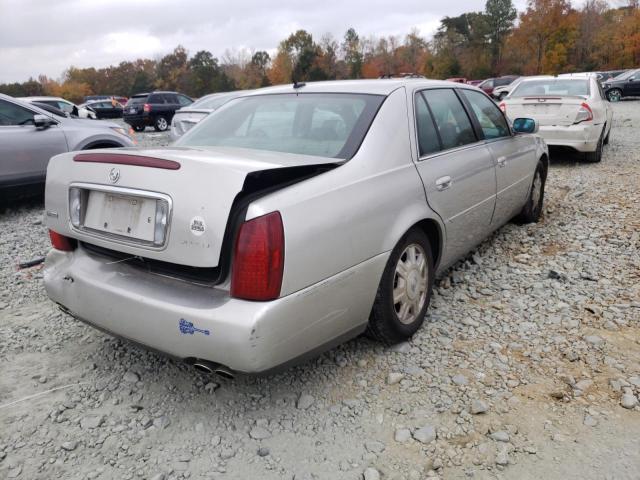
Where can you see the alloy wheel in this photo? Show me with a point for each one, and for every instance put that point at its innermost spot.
(410, 282)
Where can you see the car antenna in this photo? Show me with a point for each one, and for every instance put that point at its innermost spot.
(296, 84)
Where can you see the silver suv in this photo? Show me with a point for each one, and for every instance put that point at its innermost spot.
(30, 136)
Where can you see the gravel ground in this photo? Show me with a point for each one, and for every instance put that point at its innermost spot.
(528, 366)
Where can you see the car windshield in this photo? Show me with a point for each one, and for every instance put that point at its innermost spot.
(551, 87)
(320, 124)
(213, 102)
(625, 75)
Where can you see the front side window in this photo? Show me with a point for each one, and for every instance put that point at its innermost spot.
(64, 106)
(428, 141)
(450, 118)
(491, 120)
(12, 114)
(321, 124)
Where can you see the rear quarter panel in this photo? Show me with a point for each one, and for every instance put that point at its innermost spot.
(355, 212)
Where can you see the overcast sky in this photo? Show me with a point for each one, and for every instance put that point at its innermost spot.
(47, 36)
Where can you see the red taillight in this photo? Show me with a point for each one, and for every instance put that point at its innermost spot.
(62, 243)
(585, 114)
(147, 107)
(258, 260)
(503, 107)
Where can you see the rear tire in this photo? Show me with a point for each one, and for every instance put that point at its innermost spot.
(596, 156)
(532, 210)
(614, 95)
(606, 139)
(160, 124)
(404, 291)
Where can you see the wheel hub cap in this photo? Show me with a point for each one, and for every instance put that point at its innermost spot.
(410, 284)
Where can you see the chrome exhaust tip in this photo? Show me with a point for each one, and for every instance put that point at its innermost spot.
(209, 368)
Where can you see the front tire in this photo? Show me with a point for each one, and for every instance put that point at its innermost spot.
(404, 291)
(161, 124)
(532, 210)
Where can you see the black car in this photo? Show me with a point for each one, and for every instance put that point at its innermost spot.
(625, 85)
(105, 108)
(155, 109)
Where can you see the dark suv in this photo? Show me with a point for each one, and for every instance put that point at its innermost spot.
(625, 85)
(155, 109)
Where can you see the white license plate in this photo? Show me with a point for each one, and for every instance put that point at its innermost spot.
(127, 216)
(132, 110)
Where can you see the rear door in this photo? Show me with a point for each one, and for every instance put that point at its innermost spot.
(24, 149)
(456, 168)
(514, 155)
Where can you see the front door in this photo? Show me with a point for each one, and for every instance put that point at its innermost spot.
(514, 156)
(24, 149)
(457, 170)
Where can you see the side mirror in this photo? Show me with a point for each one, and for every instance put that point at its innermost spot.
(525, 125)
(42, 121)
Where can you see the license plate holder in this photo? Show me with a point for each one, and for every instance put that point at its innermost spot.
(122, 215)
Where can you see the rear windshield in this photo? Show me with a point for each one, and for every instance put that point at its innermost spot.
(320, 124)
(136, 100)
(214, 102)
(577, 87)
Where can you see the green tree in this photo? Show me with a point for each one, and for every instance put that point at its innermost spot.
(500, 16)
(352, 51)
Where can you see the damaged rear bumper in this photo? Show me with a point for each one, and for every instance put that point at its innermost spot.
(190, 322)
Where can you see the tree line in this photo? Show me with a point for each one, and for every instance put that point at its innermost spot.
(549, 37)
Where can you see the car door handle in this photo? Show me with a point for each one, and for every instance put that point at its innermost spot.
(502, 161)
(443, 183)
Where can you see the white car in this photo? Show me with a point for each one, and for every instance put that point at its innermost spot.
(62, 104)
(572, 111)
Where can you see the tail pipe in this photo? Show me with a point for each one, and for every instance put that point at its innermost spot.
(205, 366)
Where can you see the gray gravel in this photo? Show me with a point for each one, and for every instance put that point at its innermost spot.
(528, 366)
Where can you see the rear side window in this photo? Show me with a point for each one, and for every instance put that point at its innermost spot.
(452, 122)
(574, 87)
(489, 116)
(157, 98)
(428, 141)
(320, 124)
(137, 100)
(12, 114)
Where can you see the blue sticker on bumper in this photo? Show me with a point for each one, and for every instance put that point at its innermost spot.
(187, 328)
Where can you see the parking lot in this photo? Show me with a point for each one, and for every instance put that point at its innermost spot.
(525, 368)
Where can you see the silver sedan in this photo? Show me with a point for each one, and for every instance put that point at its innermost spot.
(289, 220)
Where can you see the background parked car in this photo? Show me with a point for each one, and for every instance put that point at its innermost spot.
(187, 117)
(457, 80)
(155, 109)
(30, 136)
(572, 111)
(475, 83)
(624, 85)
(105, 108)
(491, 83)
(64, 105)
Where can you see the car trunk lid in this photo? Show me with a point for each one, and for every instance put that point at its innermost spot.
(121, 192)
(547, 110)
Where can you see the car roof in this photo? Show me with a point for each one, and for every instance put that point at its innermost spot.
(42, 98)
(382, 86)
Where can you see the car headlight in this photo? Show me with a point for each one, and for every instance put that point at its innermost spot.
(120, 130)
